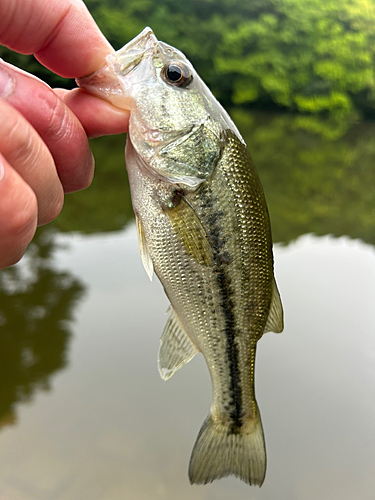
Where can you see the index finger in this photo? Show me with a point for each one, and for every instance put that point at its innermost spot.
(60, 33)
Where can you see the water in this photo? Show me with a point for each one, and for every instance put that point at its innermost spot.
(83, 412)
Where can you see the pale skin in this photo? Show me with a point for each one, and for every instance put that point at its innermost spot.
(44, 149)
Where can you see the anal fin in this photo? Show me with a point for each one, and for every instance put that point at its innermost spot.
(176, 349)
(275, 320)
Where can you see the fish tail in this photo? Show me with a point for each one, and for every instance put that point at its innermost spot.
(222, 450)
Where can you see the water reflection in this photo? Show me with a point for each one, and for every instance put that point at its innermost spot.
(314, 183)
(112, 429)
(121, 432)
(36, 307)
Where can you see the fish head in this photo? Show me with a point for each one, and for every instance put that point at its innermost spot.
(176, 125)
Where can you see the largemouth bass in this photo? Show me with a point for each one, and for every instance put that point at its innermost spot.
(203, 227)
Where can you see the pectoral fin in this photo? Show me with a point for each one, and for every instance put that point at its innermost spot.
(176, 348)
(275, 321)
(143, 249)
(190, 231)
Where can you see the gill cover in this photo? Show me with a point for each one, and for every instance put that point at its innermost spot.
(175, 124)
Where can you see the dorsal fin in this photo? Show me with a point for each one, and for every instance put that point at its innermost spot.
(143, 249)
(176, 348)
(275, 321)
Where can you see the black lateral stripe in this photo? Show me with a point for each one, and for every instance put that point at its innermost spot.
(221, 260)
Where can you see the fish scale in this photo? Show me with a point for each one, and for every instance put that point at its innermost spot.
(203, 227)
(234, 174)
(196, 291)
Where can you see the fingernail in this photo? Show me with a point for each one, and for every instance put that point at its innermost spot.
(6, 82)
(2, 170)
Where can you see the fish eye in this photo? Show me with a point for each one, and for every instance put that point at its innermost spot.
(177, 73)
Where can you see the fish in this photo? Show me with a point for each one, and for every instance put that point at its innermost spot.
(203, 228)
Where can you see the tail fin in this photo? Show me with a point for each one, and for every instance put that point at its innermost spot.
(220, 451)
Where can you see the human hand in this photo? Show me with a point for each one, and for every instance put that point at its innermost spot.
(44, 150)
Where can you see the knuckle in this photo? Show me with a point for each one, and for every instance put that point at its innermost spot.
(54, 112)
(83, 173)
(22, 222)
(19, 231)
(25, 145)
(16, 139)
(87, 180)
(20, 143)
(58, 203)
(53, 209)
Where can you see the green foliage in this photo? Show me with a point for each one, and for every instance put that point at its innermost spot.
(309, 56)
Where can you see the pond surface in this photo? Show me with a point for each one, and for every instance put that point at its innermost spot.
(83, 412)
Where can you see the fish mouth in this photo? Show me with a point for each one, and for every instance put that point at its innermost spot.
(126, 59)
(107, 81)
